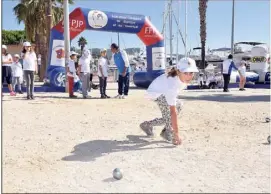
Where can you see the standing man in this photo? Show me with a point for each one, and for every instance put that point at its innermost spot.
(121, 60)
(227, 66)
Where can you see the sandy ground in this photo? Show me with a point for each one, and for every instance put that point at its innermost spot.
(56, 144)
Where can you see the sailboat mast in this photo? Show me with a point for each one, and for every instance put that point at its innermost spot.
(170, 29)
(232, 28)
(165, 31)
(177, 32)
(185, 31)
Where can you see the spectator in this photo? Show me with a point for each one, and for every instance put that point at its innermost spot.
(227, 66)
(6, 69)
(121, 60)
(30, 67)
(103, 73)
(17, 74)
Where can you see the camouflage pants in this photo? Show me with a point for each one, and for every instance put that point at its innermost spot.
(166, 117)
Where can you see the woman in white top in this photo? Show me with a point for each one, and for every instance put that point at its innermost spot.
(84, 71)
(17, 73)
(242, 72)
(30, 67)
(102, 73)
(164, 90)
(6, 69)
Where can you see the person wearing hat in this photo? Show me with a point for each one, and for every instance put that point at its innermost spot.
(227, 67)
(242, 72)
(103, 73)
(122, 62)
(30, 67)
(17, 73)
(164, 91)
(84, 71)
(71, 69)
(6, 69)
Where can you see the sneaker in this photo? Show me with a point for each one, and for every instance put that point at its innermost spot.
(123, 97)
(145, 126)
(28, 97)
(103, 96)
(166, 135)
(107, 96)
(73, 96)
(32, 97)
(118, 96)
(20, 92)
(12, 93)
(86, 97)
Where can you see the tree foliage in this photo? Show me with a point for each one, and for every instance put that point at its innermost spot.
(10, 37)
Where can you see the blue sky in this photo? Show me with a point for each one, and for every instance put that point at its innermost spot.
(252, 21)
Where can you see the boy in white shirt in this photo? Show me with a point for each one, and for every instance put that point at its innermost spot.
(84, 71)
(103, 73)
(164, 90)
(17, 73)
(71, 73)
(242, 72)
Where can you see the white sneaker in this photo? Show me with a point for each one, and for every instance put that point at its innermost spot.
(124, 96)
(118, 96)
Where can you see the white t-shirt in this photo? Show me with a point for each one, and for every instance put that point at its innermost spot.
(17, 69)
(85, 64)
(72, 66)
(168, 86)
(242, 70)
(7, 58)
(29, 61)
(39, 61)
(102, 62)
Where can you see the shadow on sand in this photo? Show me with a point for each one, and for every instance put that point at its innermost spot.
(91, 150)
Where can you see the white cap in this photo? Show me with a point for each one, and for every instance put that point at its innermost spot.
(16, 55)
(4, 47)
(103, 50)
(187, 64)
(26, 44)
(73, 53)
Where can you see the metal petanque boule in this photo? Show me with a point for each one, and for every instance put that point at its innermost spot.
(268, 139)
(117, 174)
(267, 119)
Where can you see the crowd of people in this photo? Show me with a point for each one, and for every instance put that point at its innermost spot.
(22, 68)
(14, 72)
(80, 77)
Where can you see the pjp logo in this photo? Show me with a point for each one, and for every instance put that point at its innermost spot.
(74, 24)
(97, 19)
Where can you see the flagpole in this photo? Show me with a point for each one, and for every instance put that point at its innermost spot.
(66, 37)
(232, 28)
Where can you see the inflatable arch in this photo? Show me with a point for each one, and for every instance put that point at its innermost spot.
(89, 19)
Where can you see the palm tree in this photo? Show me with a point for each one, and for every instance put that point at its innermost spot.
(202, 14)
(34, 13)
(82, 42)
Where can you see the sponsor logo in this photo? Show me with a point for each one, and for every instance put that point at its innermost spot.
(97, 19)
